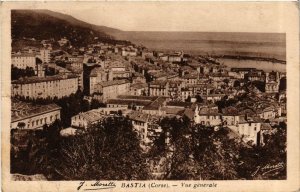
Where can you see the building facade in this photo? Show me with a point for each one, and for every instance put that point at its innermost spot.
(111, 89)
(29, 116)
(23, 60)
(45, 87)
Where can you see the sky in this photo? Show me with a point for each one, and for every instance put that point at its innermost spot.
(182, 16)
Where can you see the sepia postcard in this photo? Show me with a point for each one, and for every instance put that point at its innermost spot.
(150, 96)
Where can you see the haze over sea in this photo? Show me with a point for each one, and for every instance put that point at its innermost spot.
(265, 45)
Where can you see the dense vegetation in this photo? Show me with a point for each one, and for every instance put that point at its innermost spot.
(16, 73)
(111, 150)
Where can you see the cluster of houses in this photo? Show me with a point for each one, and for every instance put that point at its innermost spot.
(145, 86)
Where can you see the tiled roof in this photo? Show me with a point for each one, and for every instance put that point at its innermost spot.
(208, 111)
(111, 83)
(133, 97)
(179, 104)
(92, 115)
(23, 55)
(36, 79)
(138, 116)
(230, 111)
(128, 102)
(22, 110)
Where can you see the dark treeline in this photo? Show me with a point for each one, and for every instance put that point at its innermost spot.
(16, 73)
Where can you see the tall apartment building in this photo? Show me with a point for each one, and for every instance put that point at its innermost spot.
(45, 87)
(23, 60)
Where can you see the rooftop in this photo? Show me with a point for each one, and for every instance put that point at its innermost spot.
(23, 55)
(36, 79)
(92, 115)
(179, 104)
(22, 110)
(128, 102)
(208, 111)
(155, 105)
(111, 83)
(133, 97)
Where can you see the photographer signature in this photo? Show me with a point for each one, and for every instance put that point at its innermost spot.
(268, 168)
(97, 185)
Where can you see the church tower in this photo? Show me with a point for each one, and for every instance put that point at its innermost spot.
(272, 82)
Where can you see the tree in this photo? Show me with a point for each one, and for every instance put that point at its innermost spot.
(260, 85)
(226, 81)
(197, 152)
(95, 104)
(38, 60)
(215, 153)
(236, 83)
(50, 71)
(85, 106)
(108, 151)
(282, 84)
(199, 99)
(40, 151)
(17, 73)
(188, 99)
(272, 153)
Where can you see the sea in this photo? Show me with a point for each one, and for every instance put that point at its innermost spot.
(264, 45)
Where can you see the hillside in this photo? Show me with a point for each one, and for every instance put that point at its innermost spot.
(44, 24)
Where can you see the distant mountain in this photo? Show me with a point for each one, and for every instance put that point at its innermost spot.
(45, 24)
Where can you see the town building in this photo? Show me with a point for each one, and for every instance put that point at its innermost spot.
(249, 128)
(272, 82)
(87, 119)
(171, 89)
(146, 126)
(96, 76)
(138, 89)
(23, 60)
(45, 55)
(45, 87)
(111, 89)
(131, 101)
(230, 116)
(32, 116)
(207, 115)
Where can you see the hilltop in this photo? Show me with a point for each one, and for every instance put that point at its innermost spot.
(45, 24)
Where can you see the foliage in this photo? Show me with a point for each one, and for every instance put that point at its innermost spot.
(282, 84)
(50, 71)
(198, 152)
(236, 83)
(199, 99)
(260, 85)
(16, 73)
(35, 155)
(95, 104)
(110, 150)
